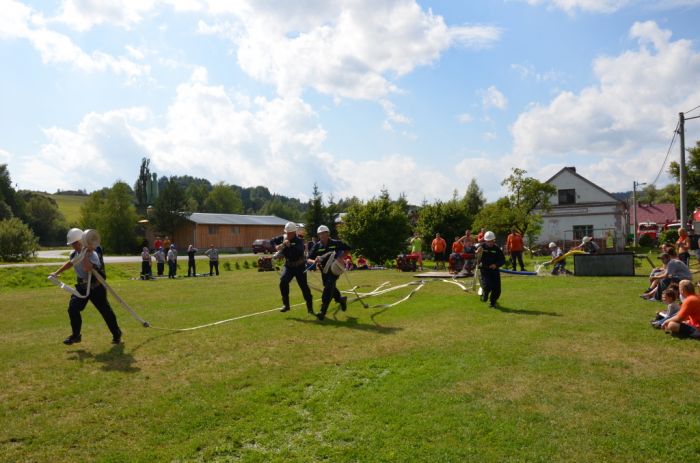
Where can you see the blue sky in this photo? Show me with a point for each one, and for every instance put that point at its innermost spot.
(418, 97)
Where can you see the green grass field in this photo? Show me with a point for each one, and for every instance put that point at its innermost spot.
(567, 369)
(69, 205)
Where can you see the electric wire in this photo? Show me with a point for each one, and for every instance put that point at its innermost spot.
(698, 106)
(668, 153)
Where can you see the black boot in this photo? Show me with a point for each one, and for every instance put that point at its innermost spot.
(72, 339)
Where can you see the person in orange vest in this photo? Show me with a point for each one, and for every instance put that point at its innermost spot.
(514, 246)
(438, 246)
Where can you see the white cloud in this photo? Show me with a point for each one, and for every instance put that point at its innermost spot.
(611, 6)
(4, 156)
(391, 114)
(628, 115)
(493, 98)
(465, 118)
(350, 49)
(528, 71)
(21, 22)
(82, 15)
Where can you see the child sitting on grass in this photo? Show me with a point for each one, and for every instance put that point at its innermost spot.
(670, 298)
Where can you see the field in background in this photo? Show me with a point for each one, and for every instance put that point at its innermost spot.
(567, 369)
(69, 205)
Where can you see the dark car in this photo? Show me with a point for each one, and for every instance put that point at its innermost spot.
(263, 246)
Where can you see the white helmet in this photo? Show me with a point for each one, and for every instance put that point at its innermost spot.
(586, 239)
(322, 229)
(74, 234)
(290, 227)
(489, 236)
(552, 244)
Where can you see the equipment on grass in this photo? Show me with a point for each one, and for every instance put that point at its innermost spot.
(514, 272)
(265, 264)
(407, 262)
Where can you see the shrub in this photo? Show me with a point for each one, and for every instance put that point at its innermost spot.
(246, 265)
(227, 266)
(668, 236)
(646, 241)
(238, 266)
(17, 241)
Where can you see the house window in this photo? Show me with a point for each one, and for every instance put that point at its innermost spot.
(567, 196)
(213, 229)
(582, 230)
(235, 230)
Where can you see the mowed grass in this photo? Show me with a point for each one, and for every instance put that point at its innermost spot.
(567, 370)
(69, 206)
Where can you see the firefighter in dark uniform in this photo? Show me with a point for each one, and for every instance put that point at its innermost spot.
(98, 293)
(324, 250)
(491, 259)
(292, 248)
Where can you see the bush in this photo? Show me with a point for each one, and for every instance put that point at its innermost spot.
(646, 241)
(17, 241)
(227, 266)
(668, 236)
(246, 265)
(238, 266)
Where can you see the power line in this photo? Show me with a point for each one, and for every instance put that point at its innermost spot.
(668, 153)
(698, 106)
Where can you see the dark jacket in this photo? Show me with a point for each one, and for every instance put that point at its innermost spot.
(320, 249)
(490, 256)
(294, 253)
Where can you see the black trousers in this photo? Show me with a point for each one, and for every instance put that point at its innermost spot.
(329, 290)
(145, 268)
(172, 269)
(517, 255)
(161, 267)
(191, 267)
(213, 264)
(98, 297)
(491, 284)
(288, 273)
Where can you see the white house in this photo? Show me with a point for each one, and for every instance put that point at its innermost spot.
(582, 208)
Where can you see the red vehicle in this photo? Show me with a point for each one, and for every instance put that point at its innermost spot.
(649, 229)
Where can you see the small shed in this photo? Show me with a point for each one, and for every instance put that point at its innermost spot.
(232, 232)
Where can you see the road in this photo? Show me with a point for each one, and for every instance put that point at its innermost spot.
(63, 254)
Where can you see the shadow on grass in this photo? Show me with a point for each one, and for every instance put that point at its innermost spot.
(115, 359)
(527, 312)
(352, 323)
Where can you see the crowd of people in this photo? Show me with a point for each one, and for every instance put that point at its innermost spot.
(165, 252)
(671, 283)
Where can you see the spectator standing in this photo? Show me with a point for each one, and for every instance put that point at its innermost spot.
(191, 264)
(362, 263)
(146, 272)
(160, 261)
(167, 243)
(157, 244)
(172, 261)
(213, 254)
(514, 246)
(683, 246)
(480, 236)
(438, 246)
(417, 250)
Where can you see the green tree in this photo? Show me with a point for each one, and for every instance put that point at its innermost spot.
(449, 218)
(278, 208)
(9, 206)
(527, 197)
(17, 242)
(473, 200)
(43, 217)
(332, 212)
(141, 187)
(196, 195)
(223, 199)
(315, 214)
(377, 229)
(112, 213)
(498, 217)
(169, 207)
(692, 182)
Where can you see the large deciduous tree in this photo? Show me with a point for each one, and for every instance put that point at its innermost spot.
(112, 213)
(17, 242)
(692, 180)
(141, 186)
(377, 229)
(169, 207)
(223, 199)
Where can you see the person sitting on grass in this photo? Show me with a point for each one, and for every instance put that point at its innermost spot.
(670, 298)
(653, 282)
(675, 271)
(686, 323)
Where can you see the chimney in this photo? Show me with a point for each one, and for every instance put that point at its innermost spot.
(572, 168)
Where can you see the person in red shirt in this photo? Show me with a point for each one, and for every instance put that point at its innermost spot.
(158, 243)
(514, 246)
(439, 245)
(455, 260)
(686, 323)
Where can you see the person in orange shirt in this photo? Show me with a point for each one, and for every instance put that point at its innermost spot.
(456, 256)
(480, 236)
(439, 245)
(514, 246)
(686, 323)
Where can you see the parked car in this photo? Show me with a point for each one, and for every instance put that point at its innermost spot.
(263, 246)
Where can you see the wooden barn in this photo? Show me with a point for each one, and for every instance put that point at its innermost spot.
(230, 232)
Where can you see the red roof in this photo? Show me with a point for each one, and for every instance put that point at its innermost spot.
(659, 213)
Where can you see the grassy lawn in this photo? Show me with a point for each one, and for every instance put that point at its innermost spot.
(69, 205)
(567, 370)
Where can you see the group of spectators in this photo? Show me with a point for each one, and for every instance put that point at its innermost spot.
(166, 252)
(671, 283)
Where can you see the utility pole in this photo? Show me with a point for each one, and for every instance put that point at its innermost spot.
(684, 205)
(635, 184)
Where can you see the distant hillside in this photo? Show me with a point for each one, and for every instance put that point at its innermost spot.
(69, 205)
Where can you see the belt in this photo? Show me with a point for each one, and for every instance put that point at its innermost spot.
(295, 263)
